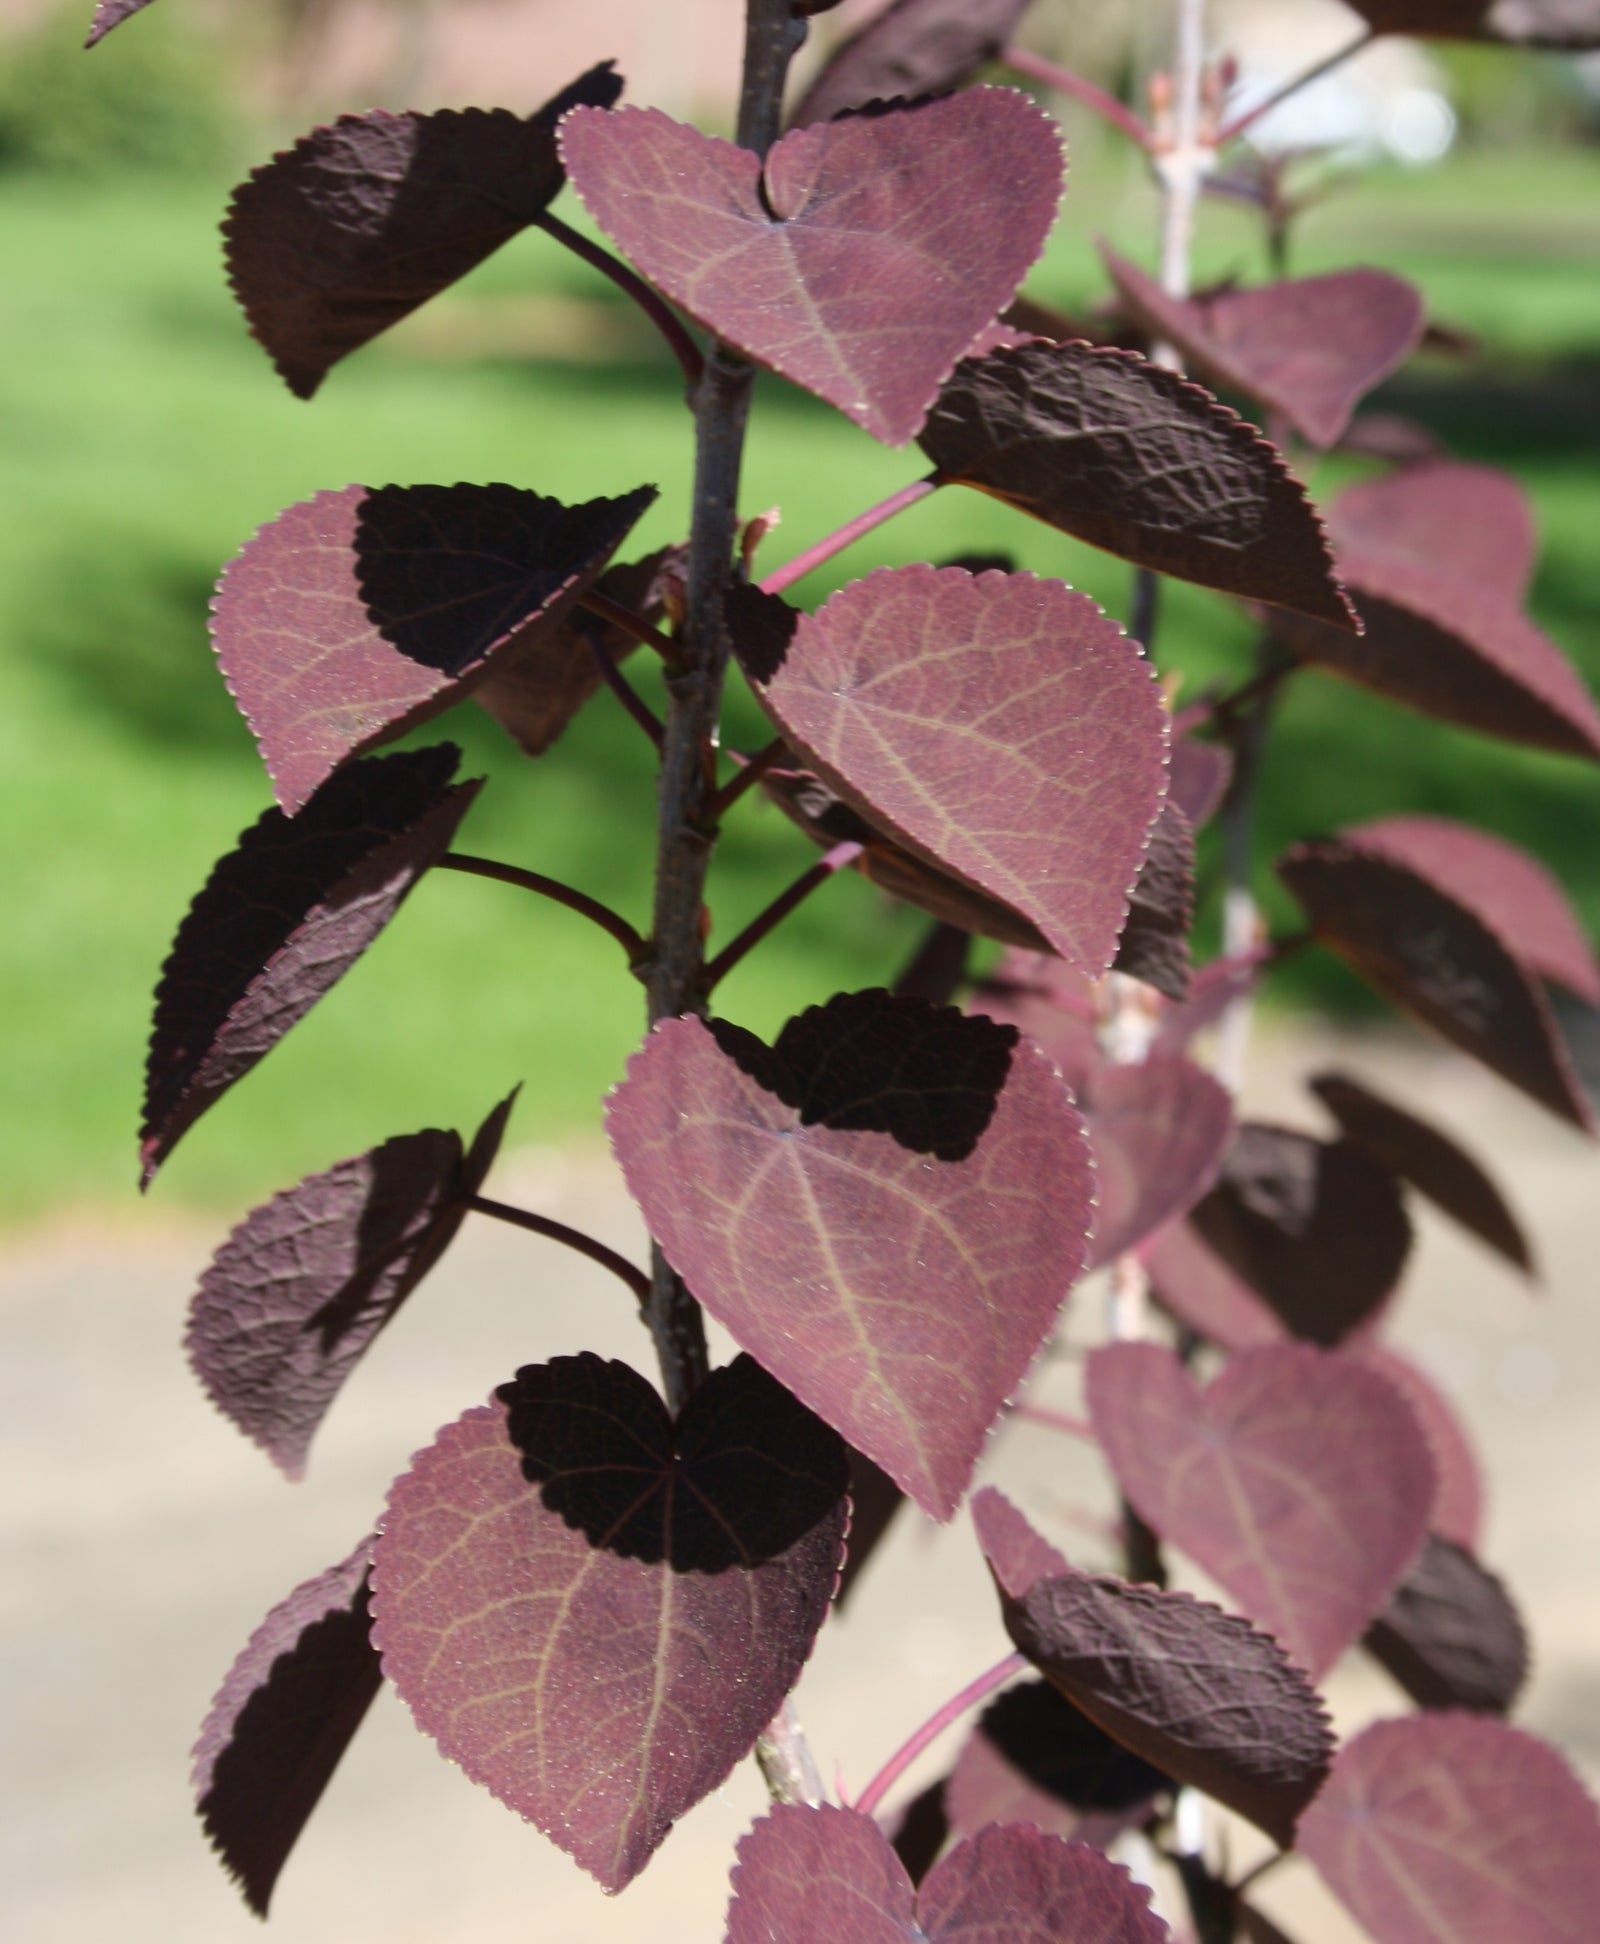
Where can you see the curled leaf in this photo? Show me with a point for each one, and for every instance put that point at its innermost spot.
(910, 47)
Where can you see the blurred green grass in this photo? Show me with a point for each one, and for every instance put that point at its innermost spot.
(146, 438)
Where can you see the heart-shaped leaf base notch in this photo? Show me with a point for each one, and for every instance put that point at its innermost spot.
(356, 615)
(860, 261)
(1299, 1479)
(595, 1612)
(805, 1876)
(999, 726)
(358, 224)
(282, 919)
(1196, 1692)
(283, 1718)
(298, 1292)
(1311, 348)
(1455, 1829)
(886, 1208)
(912, 47)
(1567, 24)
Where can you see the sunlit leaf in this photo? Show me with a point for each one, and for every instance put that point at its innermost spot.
(1450, 1635)
(911, 47)
(594, 1611)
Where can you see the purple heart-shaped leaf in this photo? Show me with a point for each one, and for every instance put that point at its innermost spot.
(281, 1721)
(1196, 1692)
(1310, 348)
(912, 47)
(1017, 1555)
(1458, 1504)
(282, 919)
(1299, 1479)
(1318, 1229)
(1422, 1154)
(1126, 456)
(1450, 1635)
(1158, 1131)
(355, 616)
(112, 13)
(1432, 955)
(887, 1209)
(358, 224)
(594, 1611)
(859, 261)
(808, 1875)
(1474, 522)
(1455, 1829)
(1572, 25)
(998, 726)
(296, 1295)
(1192, 1283)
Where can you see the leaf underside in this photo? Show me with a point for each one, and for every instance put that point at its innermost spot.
(914, 47)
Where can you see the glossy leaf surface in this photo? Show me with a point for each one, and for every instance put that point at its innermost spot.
(595, 1611)
(1451, 1636)
(859, 261)
(356, 615)
(808, 1874)
(1316, 1228)
(1126, 456)
(912, 47)
(998, 726)
(282, 919)
(1569, 24)
(1299, 1479)
(1429, 1159)
(1455, 1829)
(296, 1295)
(886, 1209)
(1310, 348)
(1431, 955)
(282, 1720)
(359, 223)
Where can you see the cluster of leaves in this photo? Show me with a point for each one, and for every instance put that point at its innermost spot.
(596, 1603)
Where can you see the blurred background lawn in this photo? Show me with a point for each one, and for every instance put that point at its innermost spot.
(145, 437)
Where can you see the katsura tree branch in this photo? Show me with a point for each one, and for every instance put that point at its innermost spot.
(1231, 131)
(969, 1697)
(749, 774)
(837, 859)
(563, 894)
(845, 536)
(1034, 67)
(573, 1238)
(627, 694)
(631, 624)
(649, 300)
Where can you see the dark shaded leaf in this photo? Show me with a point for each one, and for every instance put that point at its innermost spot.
(1192, 1283)
(800, 1192)
(1451, 1636)
(282, 919)
(859, 261)
(1455, 1829)
(1299, 1479)
(300, 1289)
(112, 13)
(1317, 1229)
(1311, 348)
(355, 616)
(1565, 24)
(1458, 1504)
(594, 1611)
(1420, 1153)
(1428, 953)
(911, 47)
(535, 689)
(1154, 945)
(358, 224)
(805, 1875)
(1033, 1757)
(874, 1500)
(1197, 1693)
(1126, 456)
(281, 1721)
(920, 1831)
(1027, 756)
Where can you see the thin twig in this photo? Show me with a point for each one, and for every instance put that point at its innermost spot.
(1231, 131)
(933, 1727)
(862, 524)
(649, 300)
(563, 894)
(586, 1245)
(631, 624)
(749, 774)
(1225, 709)
(1034, 67)
(808, 881)
(626, 693)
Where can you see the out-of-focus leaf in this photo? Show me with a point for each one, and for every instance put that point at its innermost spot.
(281, 1721)
(796, 1187)
(1154, 945)
(1451, 1636)
(595, 1611)
(1192, 1283)
(1458, 1505)
(1132, 458)
(912, 47)
(1299, 1479)
(1471, 521)
(282, 919)
(1201, 773)
(1571, 25)
(859, 260)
